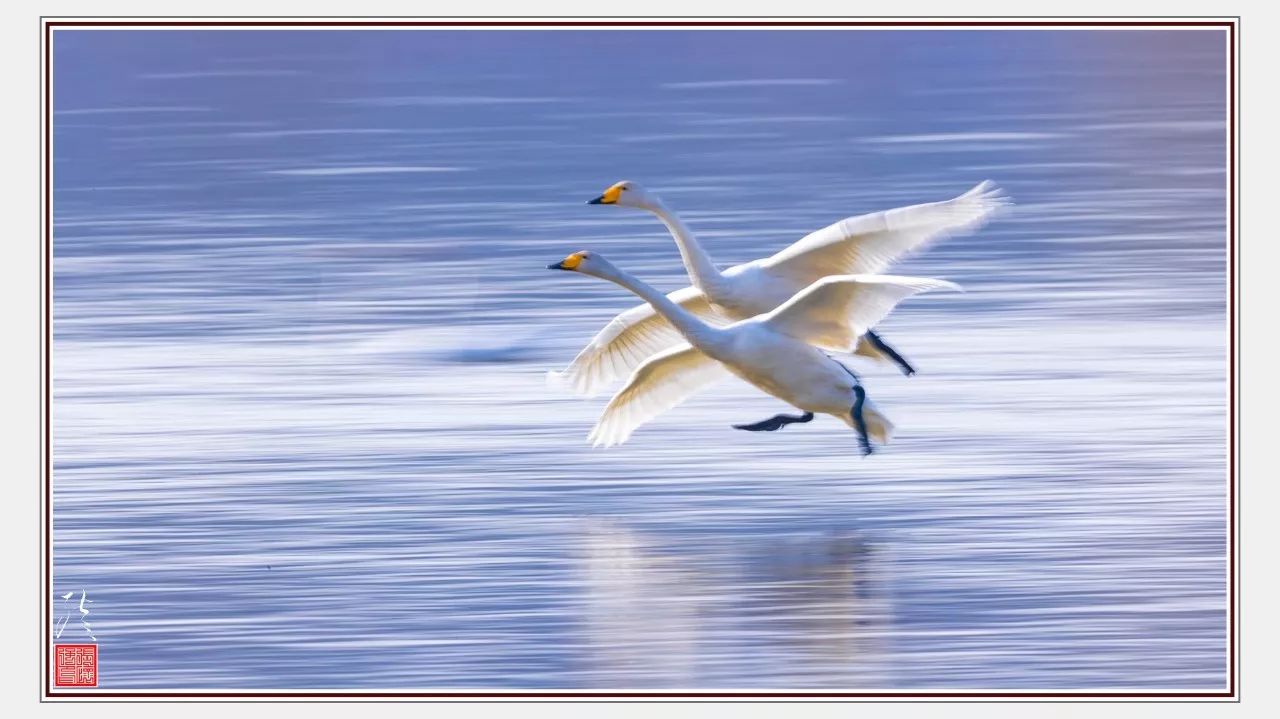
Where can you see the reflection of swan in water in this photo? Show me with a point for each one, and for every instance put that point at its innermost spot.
(803, 612)
(824, 597)
(640, 612)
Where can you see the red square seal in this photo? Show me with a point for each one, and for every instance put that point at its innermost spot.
(75, 665)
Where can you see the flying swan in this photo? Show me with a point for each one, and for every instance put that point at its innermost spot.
(778, 352)
(865, 244)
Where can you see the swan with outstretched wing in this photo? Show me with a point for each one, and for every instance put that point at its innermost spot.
(779, 352)
(865, 244)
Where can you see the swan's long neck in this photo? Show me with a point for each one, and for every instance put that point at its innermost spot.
(702, 271)
(697, 332)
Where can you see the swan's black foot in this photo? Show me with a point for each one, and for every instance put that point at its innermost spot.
(774, 423)
(860, 397)
(884, 347)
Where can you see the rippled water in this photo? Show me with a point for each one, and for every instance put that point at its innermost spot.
(301, 434)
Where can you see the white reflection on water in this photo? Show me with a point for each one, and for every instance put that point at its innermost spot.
(680, 619)
(308, 414)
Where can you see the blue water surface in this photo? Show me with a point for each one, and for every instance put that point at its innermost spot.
(302, 437)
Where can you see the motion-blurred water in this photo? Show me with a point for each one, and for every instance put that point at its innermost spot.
(301, 432)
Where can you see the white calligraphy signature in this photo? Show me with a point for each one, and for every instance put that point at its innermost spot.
(66, 616)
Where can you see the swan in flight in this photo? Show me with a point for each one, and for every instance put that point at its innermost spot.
(866, 244)
(778, 352)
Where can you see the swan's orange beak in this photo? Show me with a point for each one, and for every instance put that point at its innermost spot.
(569, 263)
(610, 196)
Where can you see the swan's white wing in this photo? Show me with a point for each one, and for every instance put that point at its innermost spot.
(662, 382)
(836, 311)
(629, 339)
(868, 244)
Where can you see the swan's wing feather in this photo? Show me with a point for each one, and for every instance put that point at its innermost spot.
(659, 384)
(835, 311)
(868, 244)
(628, 340)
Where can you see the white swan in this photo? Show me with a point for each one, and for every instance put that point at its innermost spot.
(778, 352)
(865, 244)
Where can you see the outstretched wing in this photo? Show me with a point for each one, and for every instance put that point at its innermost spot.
(662, 382)
(836, 311)
(868, 244)
(628, 340)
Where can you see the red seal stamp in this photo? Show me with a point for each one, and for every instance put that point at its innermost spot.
(75, 665)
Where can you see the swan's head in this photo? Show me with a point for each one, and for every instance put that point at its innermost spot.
(588, 263)
(625, 194)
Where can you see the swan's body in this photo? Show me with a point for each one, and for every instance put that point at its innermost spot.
(778, 352)
(865, 244)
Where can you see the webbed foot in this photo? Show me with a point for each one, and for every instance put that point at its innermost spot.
(860, 398)
(884, 347)
(775, 423)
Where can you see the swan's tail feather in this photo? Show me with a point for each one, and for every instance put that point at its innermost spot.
(879, 427)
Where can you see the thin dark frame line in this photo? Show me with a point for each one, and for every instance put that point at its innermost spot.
(88, 697)
(1232, 376)
(503, 19)
(47, 348)
(657, 24)
(46, 599)
(558, 694)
